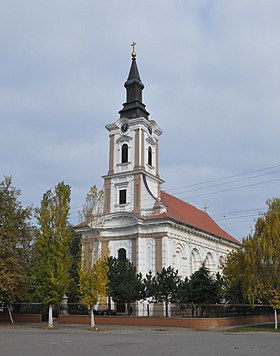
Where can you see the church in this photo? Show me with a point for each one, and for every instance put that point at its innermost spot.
(140, 221)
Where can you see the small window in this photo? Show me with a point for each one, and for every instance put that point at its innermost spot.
(150, 161)
(124, 153)
(122, 197)
(121, 254)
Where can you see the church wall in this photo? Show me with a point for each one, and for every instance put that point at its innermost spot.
(188, 250)
(165, 252)
(146, 255)
(147, 201)
(151, 246)
(118, 184)
(116, 245)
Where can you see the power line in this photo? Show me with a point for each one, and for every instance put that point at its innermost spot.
(238, 211)
(205, 194)
(236, 217)
(76, 213)
(230, 182)
(230, 189)
(227, 177)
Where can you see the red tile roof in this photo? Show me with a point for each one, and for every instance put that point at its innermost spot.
(82, 224)
(187, 214)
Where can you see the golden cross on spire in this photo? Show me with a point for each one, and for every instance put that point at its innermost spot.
(133, 49)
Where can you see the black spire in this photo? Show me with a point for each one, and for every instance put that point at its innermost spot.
(133, 107)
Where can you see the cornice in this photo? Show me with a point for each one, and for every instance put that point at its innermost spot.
(134, 172)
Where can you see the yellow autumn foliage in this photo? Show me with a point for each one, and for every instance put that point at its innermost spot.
(258, 259)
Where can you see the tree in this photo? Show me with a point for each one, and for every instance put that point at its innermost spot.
(149, 286)
(149, 289)
(93, 207)
(94, 266)
(264, 258)
(92, 215)
(166, 286)
(258, 260)
(125, 284)
(183, 292)
(15, 245)
(234, 277)
(52, 257)
(75, 251)
(203, 288)
(93, 279)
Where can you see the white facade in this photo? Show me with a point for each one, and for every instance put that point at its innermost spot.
(152, 246)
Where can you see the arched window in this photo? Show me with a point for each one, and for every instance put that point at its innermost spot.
(195, 260)
(179, 261)
(124, 153)
(150, 160)
(209, 262)
(121, 254)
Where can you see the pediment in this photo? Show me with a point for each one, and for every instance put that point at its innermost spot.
(124, 138)
(119, 220)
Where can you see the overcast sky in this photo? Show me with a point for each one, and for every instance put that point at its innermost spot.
(211, 75)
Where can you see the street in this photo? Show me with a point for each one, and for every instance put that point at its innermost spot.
(70, 340)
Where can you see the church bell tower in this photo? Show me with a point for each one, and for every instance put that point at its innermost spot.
(133, 183)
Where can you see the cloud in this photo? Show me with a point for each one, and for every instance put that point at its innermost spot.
(211, 74)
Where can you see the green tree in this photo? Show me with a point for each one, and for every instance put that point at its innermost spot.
(125, 284)
(203, 287)
(149, 289)
(93, 279)
(258, 260)
(166, 286)
(75, 251)
(15, 245)
(52, 257)
(183, 292)
(149, 286)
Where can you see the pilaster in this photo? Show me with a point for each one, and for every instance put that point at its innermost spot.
(111, 154)
(137, 148)
(107, 196)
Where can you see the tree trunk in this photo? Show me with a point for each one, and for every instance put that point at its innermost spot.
(166, 308)
(275, 319)
(109, 305)
(92, 320)
(50, 315)
(10, 314)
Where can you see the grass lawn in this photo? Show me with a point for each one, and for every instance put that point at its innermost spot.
(253, 328)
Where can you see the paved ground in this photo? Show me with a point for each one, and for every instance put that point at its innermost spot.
(70, 340)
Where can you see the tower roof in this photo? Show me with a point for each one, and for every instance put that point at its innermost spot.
(134, 107)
